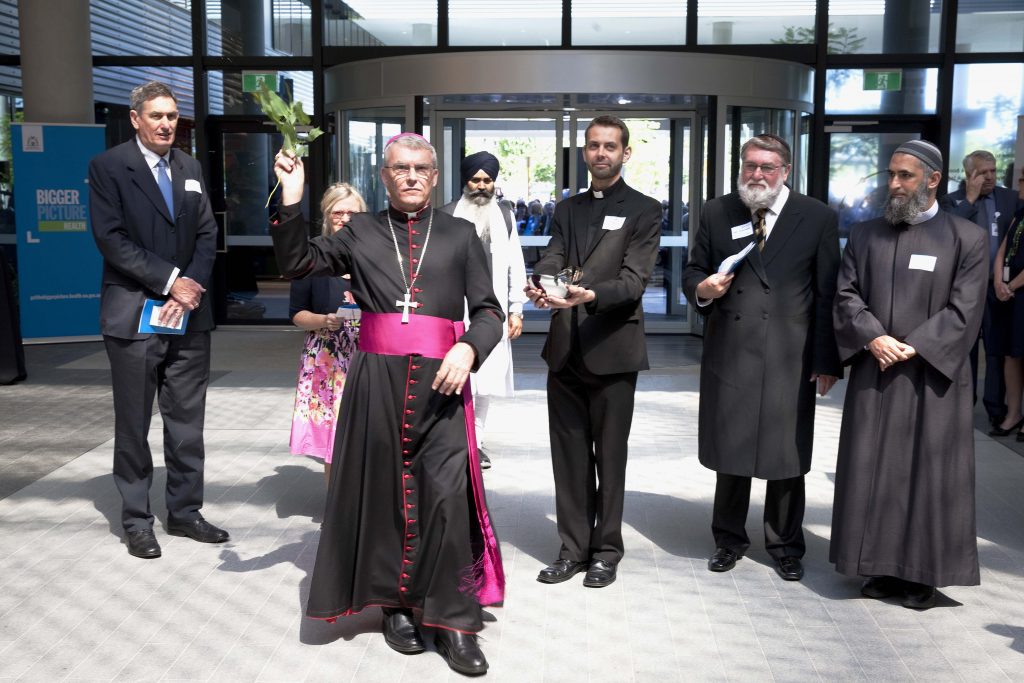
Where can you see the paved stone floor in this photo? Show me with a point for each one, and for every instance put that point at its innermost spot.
(75, 606)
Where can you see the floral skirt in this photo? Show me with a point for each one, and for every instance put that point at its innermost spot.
(322, 370)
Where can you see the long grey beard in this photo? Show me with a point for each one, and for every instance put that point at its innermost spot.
(480, 216)
(756, 197)
(901, 210)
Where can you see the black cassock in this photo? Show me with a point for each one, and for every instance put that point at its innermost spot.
(904, 495)
(400, 528)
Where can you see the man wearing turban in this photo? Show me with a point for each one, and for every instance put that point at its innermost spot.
(495, 226)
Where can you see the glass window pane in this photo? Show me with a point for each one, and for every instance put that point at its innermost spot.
(990, 26)
(112, 85)
(612, 22)
(849, 91)
(380, 22)
(367, 131)
(754, 22)
(987, 99)
(527, 22)
(10, 43)
(226, 96)
(157, 27)
(242, 27)
(880, 27)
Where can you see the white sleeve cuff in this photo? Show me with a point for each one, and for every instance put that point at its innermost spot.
(170, 281)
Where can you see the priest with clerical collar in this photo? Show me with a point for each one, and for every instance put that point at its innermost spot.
(398, 532)
(910, 298)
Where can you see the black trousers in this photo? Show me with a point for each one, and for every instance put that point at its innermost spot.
(783, 515)
(590, 417)
(177, 369)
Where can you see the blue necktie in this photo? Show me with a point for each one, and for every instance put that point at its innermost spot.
(163, 180)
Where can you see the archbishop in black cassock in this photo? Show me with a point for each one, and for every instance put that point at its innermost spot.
(904, 499)
(405, 525)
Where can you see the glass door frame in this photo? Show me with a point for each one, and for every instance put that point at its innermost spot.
(679, 118)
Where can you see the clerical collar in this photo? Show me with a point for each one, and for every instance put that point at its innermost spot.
(925, 215)
(608, 191)
(407, 216)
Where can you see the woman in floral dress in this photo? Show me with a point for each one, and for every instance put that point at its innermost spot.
(317, 304)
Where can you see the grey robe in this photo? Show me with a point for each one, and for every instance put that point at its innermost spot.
(904, 498)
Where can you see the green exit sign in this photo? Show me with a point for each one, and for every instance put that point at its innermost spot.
(251, 81)
(876, 79)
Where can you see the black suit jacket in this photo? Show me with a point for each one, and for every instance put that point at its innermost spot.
(141, 243)
(765, 336)
(616, 265)
(1007, 203)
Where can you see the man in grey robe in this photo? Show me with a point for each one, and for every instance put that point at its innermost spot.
(909, 304)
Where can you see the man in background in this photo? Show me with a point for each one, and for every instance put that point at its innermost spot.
(495, 226)
(992, 207)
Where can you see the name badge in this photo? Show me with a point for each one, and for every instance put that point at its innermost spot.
(613, 222)
(192, 185)
(741, 231)
(922, 262)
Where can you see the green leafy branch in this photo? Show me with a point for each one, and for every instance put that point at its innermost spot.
(287, 118)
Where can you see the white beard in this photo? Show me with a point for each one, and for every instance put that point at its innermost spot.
(480, 216)
(756, 197)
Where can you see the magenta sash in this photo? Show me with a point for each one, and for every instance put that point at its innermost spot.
(431, 337)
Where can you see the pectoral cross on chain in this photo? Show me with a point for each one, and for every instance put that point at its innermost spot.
(405, 305)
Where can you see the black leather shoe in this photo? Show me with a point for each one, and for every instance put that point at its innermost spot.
(461, 652)
(401, 633)
(560, 570)
(142, 544)
(789, 568)
(881, 587)
(723, 560)
(600, 574)
(999, 431)
(485, 461)
(198, 529)
(918, 596)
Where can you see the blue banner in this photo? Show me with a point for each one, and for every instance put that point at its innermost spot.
(59, 267)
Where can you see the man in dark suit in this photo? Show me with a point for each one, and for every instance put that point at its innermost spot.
(992, 207)
(152, 222)
(594, 350)
(768, 344)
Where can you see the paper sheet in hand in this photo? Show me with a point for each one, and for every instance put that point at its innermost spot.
(731, 263)
(149, 321)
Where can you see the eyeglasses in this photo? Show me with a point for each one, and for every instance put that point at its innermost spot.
(766, 169)
(338, 215)
(403, 170)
